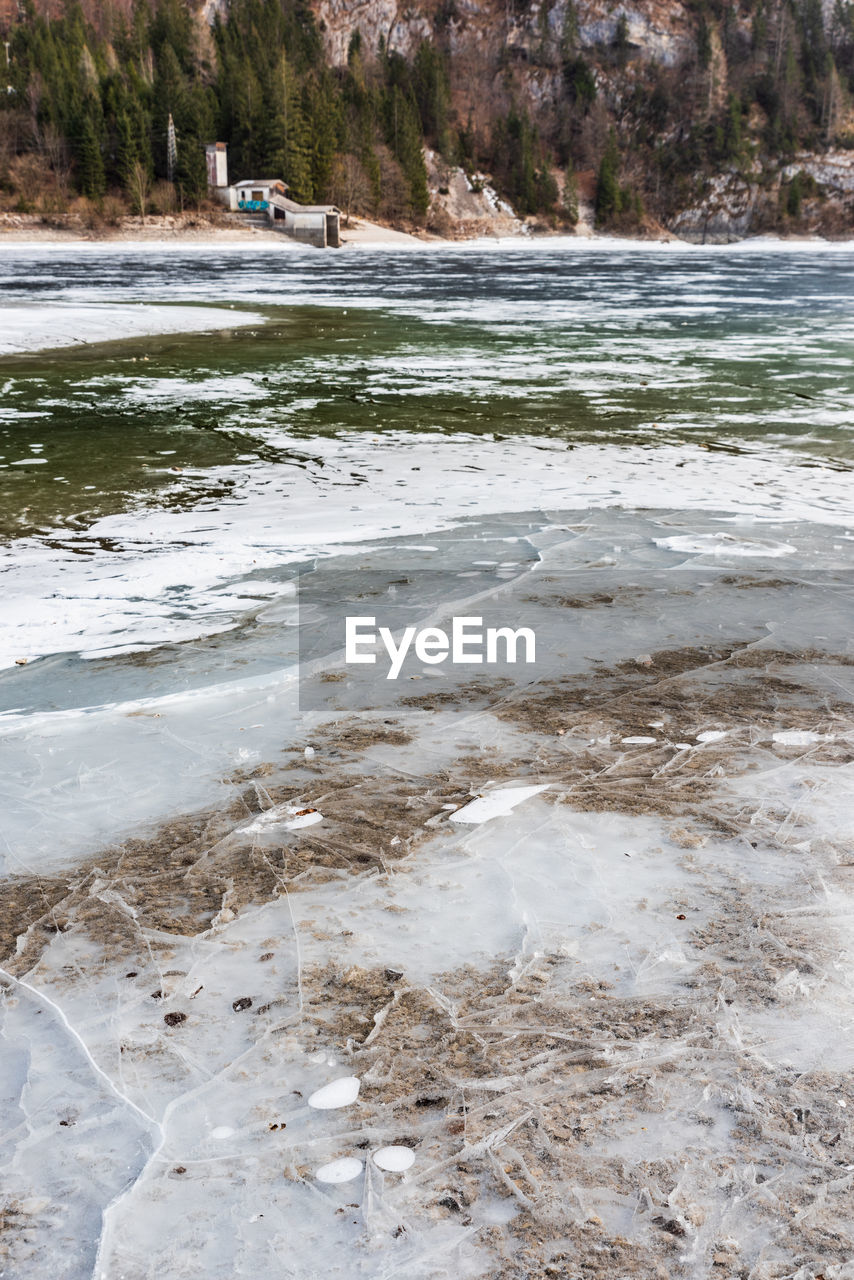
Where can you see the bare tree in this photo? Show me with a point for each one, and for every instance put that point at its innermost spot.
(13, 128)
(832, 101)
(139, 186)
(350, 188)
(35, 89)
(29, 176)
(54, 148)
(395, 202)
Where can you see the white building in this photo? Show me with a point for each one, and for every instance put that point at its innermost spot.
(316, 224)
(216, 156)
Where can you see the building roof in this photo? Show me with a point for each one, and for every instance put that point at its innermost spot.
(262, 182)
(294, 207)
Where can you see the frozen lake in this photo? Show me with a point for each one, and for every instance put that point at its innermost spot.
(610, 1018)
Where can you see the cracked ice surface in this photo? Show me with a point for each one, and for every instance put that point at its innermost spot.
(612, 1023)
(606, 1032)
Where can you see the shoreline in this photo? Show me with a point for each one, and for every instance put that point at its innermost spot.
(161, 233)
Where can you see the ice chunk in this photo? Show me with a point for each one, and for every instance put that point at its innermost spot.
(394, 1159)
(724, 544)
(496, 804)
(711, 735)
(638, 741)
(290, 817)
(343, 1170)
(800, 737)
(302, 818)
(339, 1093)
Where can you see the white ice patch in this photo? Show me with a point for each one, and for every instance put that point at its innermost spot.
(724, 544)
(394, 1159)
(496, 804)
(163, 577)
(344, 1170)
(34, 326)
(338, 1093)
(800, 737)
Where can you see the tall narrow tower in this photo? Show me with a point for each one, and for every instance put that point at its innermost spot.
(216, 158)
(171, 149)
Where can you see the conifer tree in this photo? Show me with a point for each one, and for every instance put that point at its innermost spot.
(90, 162)
(294, 155)
(608, 194)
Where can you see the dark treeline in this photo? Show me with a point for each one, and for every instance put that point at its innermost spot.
(88, 112)
(87, 108)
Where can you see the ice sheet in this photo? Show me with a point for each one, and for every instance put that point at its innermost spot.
(146, 578)
(577, 1044)
(613, 1024)
(32, 326)
(581, 1016)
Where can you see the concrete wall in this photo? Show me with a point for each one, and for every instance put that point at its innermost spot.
(228, 196)
(317, 227)
(309, 228)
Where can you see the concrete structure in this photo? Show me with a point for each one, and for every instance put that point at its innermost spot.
(216, 157)
(255, 191)
(316, 224)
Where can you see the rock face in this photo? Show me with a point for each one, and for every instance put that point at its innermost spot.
(462, 207)
(505, 52)
(500, 49)
(658, 31)
(402, 27)
(738, 204)
(728, 211)
(833, 170)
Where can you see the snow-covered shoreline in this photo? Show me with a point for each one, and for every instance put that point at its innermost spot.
(372, 237)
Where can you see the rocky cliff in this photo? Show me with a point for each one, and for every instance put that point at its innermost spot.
(728, 119)
(707, 119)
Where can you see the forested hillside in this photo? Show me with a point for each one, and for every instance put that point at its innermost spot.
(664, 105)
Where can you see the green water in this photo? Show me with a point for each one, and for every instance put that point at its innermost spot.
(151, 420)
